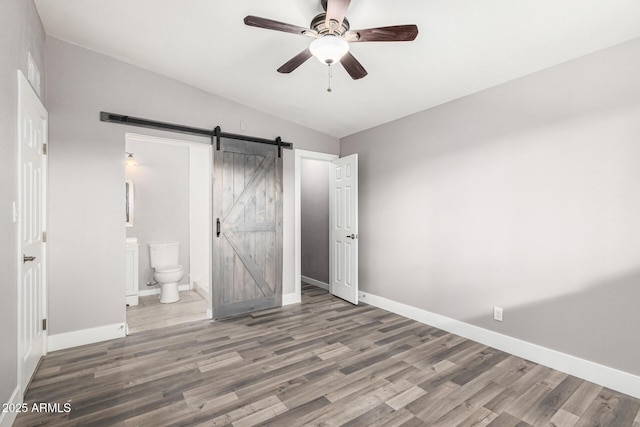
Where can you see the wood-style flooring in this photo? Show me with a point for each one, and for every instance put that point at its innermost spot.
(323, 363)
(151, 314)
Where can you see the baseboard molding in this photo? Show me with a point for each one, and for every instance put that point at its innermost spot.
(201, 290)
(148, 291)
(156, 291)
(315, 282)
(292, 298)
(615, 379)
(85, 336)
(7, 418)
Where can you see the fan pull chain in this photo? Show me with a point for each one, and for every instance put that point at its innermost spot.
(329, 88)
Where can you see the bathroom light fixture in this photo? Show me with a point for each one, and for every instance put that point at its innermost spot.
(329, 49)
(130, 161)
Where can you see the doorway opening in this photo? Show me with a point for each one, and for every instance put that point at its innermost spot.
(311, 220)
(169, 201)
(314, 223)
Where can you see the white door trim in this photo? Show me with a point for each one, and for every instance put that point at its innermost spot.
(138, 137)
(299, 155)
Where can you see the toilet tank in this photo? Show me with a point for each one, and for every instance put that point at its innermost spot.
(164, 253)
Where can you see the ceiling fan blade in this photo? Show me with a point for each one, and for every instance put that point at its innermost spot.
(396, 33)
(353, 67)
(295, 62)
(336, 11)
(270, 24)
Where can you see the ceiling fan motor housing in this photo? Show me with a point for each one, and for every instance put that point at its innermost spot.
(319, 25)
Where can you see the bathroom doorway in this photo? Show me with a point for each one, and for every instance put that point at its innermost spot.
(171, 187)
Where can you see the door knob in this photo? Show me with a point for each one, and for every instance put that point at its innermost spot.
(27, 258)
(352, 236)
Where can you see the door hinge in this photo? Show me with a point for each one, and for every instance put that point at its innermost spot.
(44, 148)
(44, 324)
(44, 237)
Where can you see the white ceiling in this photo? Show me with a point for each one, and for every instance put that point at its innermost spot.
(463, 46)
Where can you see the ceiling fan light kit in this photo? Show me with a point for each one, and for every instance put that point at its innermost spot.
(329, 49)
(332, 34)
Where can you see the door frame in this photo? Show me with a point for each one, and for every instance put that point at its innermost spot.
(26, 94)
(296, 297)
(187, 143)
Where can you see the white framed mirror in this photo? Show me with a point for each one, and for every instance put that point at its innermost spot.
(129, 207)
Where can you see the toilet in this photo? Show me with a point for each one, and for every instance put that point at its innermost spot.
(166, 270)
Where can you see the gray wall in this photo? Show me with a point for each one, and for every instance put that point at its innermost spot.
(314, 219)
(161, 207)
(87, 234)
(20, 32)
(525, 196)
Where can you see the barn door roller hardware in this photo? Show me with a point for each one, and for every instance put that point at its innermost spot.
(214, 134)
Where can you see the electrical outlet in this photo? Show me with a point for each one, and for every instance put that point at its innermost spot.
(497, 314)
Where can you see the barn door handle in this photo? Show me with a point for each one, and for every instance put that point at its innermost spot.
(26, 259)
(217, 227)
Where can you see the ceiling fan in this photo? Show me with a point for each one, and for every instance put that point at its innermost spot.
(332, 34)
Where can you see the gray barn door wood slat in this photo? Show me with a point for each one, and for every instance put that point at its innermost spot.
(247, 255)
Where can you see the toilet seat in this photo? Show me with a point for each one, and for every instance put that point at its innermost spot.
(169, 269)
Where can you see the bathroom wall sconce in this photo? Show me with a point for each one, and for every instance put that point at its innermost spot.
(130, 161)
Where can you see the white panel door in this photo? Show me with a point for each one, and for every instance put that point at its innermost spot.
(32, 137)
(343, 223)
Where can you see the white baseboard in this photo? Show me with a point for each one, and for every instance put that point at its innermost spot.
(201, 290)
(85, 336)
(132, 300)
(7, 418)
(147, 292)
(315, 282)
(292, 298)
(615, 379)
(156, 290)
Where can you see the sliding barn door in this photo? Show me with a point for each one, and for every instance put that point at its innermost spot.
(247, 241)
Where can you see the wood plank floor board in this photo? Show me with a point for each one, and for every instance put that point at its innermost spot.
(461, 412)
(370, 417)
(506, 420)
(578, 403)
(322, 362)
(424, 406)
(475, 392)
(480, 417)
(563, 418)
(552, 401)
(610, 408)
(299, 415)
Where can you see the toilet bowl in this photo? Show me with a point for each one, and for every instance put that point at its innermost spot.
(166, 270)
(168, 277)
